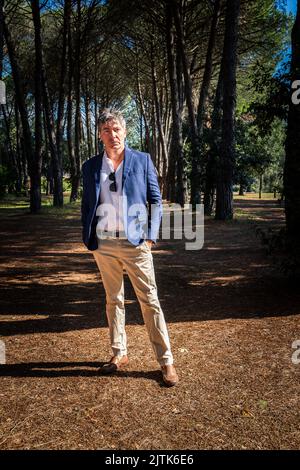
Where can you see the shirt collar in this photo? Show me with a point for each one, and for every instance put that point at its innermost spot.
(109, 162)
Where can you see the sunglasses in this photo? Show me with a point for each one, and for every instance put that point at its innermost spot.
(113, 185)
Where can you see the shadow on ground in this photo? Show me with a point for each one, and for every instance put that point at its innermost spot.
(49, 281)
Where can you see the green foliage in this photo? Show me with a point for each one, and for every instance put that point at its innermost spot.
(3, 180)
(7, 179)
(258, 153)
(263, 70)
(66, 184)
(118, 42)
(272, 97)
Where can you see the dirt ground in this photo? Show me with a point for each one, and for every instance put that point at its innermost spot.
(232, 319)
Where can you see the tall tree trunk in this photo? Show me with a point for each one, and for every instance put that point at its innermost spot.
(81, 130)
(142, 107)
(62, 93)
(21, 171)
(159, 124)
(208, 67)
(38, 98)
(176, 190)
(260, 185)
(71, 150)
(2, 99)
(12, 162)
(25, 184)
(1, 36)
(195, 141)
(77, 67)
(142, 141)
(48, 161)
(20, 98)
(88, 119)
(96, 104)
(167, 119)
(224, 202)
(164, 109)
(213, 154)
(58, 199)
(292, 145)
(26, 175)
(155, 141)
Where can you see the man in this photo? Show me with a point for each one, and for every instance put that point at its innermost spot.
(120, 230)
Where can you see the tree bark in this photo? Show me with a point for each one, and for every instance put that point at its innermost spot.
(22, 154)
(224, 201)
(260, 185)
(12, 160)
(96, 105)
(20, 98)
(88, 119)
(71, 150)
(213, 154)
(176, 190)
(162, 139)
(38, 98)
(164, 110)
(1, 36)
(208, 68)
(142, 107)
(62, 93)
(21, 170)
(76, 173)
(195, 141)
(58, 199)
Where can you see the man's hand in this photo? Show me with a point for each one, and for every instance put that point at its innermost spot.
(149, 243)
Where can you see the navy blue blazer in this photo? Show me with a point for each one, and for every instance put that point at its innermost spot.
(142, 207)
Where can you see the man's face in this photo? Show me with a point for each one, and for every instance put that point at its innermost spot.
(112, 135)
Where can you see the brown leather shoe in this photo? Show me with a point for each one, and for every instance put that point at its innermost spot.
(170, 376)
(114, 364)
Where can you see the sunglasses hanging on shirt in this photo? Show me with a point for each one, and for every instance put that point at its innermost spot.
(113, 185)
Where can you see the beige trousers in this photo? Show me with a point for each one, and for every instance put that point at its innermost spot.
(111, 256)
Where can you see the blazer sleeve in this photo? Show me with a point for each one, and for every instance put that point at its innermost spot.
(154, 200)
(84, 199)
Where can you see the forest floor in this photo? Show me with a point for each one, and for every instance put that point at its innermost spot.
(232, 319)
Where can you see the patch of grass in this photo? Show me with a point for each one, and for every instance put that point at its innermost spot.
(255, 196)
(11, 203)
(67, 209)
(241, 214)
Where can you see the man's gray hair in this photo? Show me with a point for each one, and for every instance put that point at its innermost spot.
(108, 114)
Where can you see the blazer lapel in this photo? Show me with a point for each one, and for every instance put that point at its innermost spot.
(127, 164)
(97, 171)
(128, 158)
